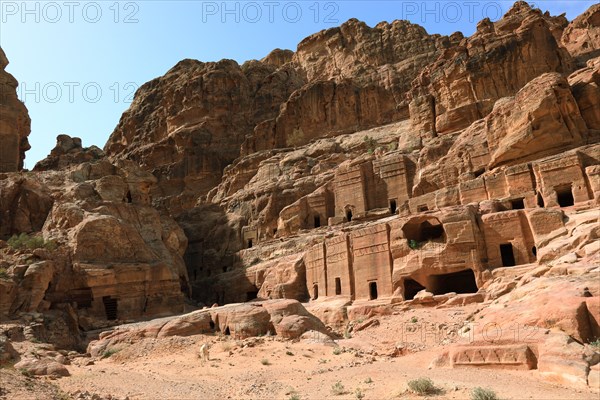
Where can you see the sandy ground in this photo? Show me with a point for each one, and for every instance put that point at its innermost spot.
(272, 368)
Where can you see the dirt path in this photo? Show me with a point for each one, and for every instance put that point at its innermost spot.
(276, 369)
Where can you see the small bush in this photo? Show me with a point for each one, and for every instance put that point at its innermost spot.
(24, 241)
(413, 244)
(264, 361)
(4, 273)
(479, 393)
(414, 320)
(109, 353)
(358, 393)
(370, 143)
(294, 396)
(347, 333)
(289, 353)
(337, 351)
(369, 380)
(422, 386)
(596, 344)
(338, 389)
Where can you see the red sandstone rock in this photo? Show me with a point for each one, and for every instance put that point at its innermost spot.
(15, 124)
(582, 36)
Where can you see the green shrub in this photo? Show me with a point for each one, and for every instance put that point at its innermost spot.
(264, 361)
(479, 393)
(338, 389)
(4, 274)
(109, 353)
(337, 351)
(24, 241)
(422, 386)
(370, 143)
(413, 244)
(414, 320)
(289, 353)
(358, 393)
(596, 344)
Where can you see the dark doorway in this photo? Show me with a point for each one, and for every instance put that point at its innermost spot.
(110, 308)
(315, 291)
(338, 286)
(540, 200)
(249, 243)
(534, 251)
(479, 172)
(251, 295)
(227, 331)
(349, 215)
(393, 206)
(517, 204)
(129, 198)
(372, 290)
(212, 324)
(411, 288)
(508, 255)
(565, 197)
(317, 221)
(458, 282)
(422, 208)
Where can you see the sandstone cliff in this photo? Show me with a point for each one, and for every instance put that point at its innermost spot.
(86, 239)
(15, 124)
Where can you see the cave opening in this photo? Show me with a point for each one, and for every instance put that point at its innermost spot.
(411, 288)
(423, 230)
(317, 221)
(508, 255)
(338, 286)
(110, 308)
(227, 331)
(564, 197)
(393, 206)
(249, 243)
(372, 290)
(315, 291)
(517, 204)
(458, 282)
(349, 215)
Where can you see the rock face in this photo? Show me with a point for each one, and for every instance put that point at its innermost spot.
(582, 36)
(101, 248)
(68, 151)
(498, 60)
(508, 137)
(15, 124)
(188, 125)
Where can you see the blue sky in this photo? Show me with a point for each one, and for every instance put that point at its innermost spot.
(79, 62)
